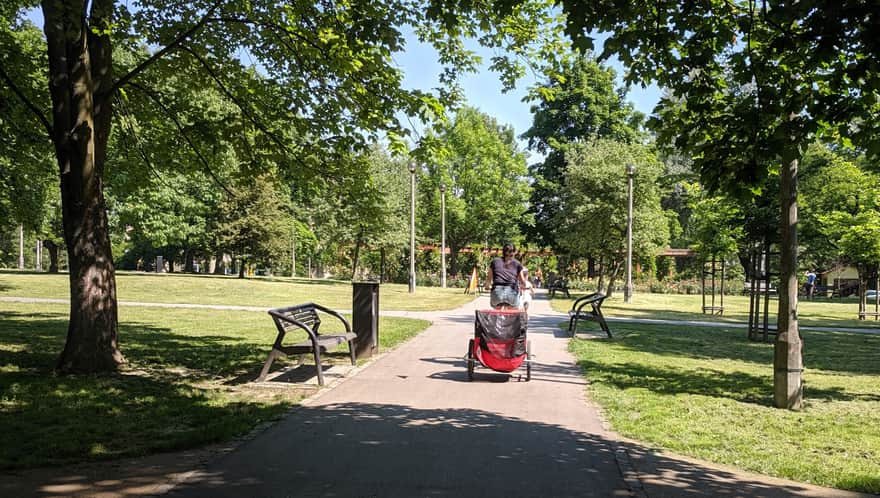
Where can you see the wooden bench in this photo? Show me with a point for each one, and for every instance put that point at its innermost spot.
(305, 317)
(593, 314)
(559, 284)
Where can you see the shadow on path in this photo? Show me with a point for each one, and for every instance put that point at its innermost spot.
(355, 449)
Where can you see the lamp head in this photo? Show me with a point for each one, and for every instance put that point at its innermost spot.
(442, 188)
(630, 169)
(412, 167)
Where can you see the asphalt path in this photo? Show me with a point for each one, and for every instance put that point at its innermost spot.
(410, 424)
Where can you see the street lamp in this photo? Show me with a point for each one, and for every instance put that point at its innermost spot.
(628, 288)
(412, 227)
(443, 235)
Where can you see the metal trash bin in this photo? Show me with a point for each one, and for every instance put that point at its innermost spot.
(365, 317)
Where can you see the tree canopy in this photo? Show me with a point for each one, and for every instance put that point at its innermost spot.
(485, 177)
(593, 216)
(578, 101)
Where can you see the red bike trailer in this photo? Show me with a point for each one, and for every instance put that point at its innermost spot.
(500, 342)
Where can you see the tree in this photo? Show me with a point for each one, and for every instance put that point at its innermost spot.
(593, 216)
(255, 223)
(486, 187)
(329, 74)
(829, 182)
(842, 209)
(26, 172)
(753, 83)
(715, 223)
(579, 101)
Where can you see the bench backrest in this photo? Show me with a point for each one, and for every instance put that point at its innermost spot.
(305, 314)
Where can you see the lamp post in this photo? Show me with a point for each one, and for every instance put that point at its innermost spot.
(628, 287)
(412, 227)
(443, 235)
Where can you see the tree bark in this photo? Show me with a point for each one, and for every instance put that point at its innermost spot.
(612, 278)
(188, 260)
(79, 77)
(53, 255)
(787, 351)
(357, 253)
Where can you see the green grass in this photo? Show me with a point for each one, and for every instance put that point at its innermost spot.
(821, 312)
(218, 289)
(184, 385)
(707, 392)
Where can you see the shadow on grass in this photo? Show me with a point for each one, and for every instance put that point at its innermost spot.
(156, 403)
(829, 351)
(738, 386)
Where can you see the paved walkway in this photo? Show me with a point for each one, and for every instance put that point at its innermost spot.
(409, 424)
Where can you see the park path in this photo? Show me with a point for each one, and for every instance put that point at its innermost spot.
(409, 424)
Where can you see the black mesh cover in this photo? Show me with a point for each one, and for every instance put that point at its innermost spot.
(502, 332)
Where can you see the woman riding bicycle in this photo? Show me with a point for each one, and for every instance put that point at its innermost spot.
(506, 279)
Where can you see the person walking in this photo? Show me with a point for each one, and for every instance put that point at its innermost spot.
(528, 292)
(505, 279)
(811, 283)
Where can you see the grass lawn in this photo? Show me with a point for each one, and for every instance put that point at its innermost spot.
(184, 385)
(821, 312)
(217, 289)
(708, 393)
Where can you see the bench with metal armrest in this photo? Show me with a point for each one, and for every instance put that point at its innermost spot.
(580, 311)
(305, 317)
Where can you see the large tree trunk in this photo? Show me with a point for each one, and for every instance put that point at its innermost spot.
(79, 77)
(787, 357)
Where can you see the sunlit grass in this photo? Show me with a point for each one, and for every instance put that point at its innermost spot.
(185, 383)
(708, 393)
(229, 290)
(820, 312)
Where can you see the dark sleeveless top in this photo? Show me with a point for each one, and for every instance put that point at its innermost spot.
(506, 274)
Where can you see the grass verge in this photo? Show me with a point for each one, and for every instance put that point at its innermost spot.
(267, 292)
(707, 392)
(184, 385)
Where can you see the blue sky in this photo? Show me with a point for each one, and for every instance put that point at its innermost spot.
(483, 89)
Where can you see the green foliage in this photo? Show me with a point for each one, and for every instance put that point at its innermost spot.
(26, 163)
(593, 221)
(577, 102)
(255, 223)
(714, 223)
(839, 199)
(486, 189)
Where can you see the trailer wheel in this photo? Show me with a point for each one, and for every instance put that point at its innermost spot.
(470, 360)
(528, 361)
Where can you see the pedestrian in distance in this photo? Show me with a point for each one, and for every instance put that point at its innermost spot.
(811, 283)
(528, 292)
